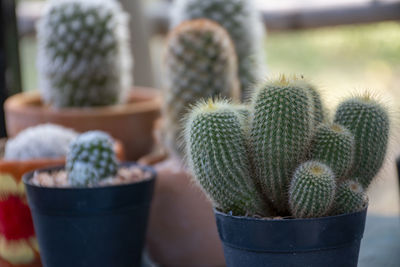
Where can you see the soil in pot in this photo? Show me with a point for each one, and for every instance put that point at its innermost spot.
(328, 241)
(182, 229)
(97, 226)
(130, 123)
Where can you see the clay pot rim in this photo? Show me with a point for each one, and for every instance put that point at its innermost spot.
(147, 99)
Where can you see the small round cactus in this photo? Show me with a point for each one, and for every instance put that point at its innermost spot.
(218, 157)
(38, 142)
(200, 62)
(83, 53)
(91, 154)
(333, 145)
(312, 190)
(369, 122)
(243, 23)
(350, 197)
(281, 130)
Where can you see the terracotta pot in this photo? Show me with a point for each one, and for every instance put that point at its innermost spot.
(131, 123)
(182, 229)
(18, 244)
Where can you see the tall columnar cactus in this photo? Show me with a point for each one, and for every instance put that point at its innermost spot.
(333, 145)
(369, 122)
(350, 197)
(312, 190)
(281, 130)
(200, 62)
(84, 56)
(38, 142)
(90, 158)
(217, 154)
(241, 20)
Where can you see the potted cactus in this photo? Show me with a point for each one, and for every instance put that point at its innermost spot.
(84, 64)
(288, 185)
(200, 62)
(242, 22)
(93, 211)
(33, 148)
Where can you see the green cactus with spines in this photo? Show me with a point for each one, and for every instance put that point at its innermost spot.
(350, 197)
(333, 145)
(281, 129)
(91, 157)
(83, 53)
(319, 108)
(312, 190)
(218, 157)
(200, 62)
(241, 19)
(368, 121)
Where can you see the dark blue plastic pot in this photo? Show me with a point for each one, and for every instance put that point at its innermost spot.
(321, 242)
(90, 227)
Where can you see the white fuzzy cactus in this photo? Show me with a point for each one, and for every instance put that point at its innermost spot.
(42, 141)
(84, 56)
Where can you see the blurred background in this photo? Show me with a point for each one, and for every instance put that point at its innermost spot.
(343, 46)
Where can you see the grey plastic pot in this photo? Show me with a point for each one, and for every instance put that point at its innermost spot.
(328, 241)
(86, 227)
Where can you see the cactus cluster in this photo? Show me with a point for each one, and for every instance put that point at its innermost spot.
(91, 157)
(83, 53)
(289, 160)
(200, 62)
(38, 142)
(243, 23)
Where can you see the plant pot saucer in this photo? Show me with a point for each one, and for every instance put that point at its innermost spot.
(131, 123)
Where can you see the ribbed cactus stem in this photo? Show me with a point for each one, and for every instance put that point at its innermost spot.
(91, 157)
(281, 131)
(369, 122)
(218, 157)
(241, 20)
(83, 53)
(333, 145)
(350, 197)
(312, 190)
(200, 62)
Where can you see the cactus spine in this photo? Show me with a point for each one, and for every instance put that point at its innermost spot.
(200, 62)
(217, 155)
(312, 190)
(350, 197)
(333, 145)
(281, 130)
(91, 157)
(369, 122)
(240, 19)
(83, 56)
(38, 142)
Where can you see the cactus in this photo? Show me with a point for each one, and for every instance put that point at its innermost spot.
(350, 197)
(218, 157)
(200, 62)
(369, 122)
(84, 56)
(319, 109)
(312, 190)
(333, 145)
(91, 157)
(281, 130)
(241, 20)
(38, 142)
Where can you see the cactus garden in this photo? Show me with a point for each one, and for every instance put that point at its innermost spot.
(290, 159)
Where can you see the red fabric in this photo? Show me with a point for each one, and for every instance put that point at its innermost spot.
(15, 219)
